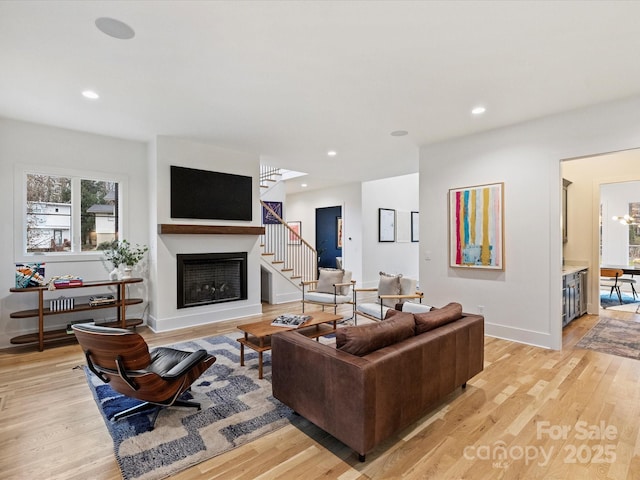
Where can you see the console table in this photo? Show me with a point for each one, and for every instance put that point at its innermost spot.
(41, 336)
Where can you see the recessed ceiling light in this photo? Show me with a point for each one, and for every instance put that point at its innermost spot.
(479, 110)
(399, 133)
(115, 28)
(90, 94)
(332, 153)
(303, 185)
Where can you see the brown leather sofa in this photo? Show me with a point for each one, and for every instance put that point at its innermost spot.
(398, 369)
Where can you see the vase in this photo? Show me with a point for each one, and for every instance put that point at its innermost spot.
(126, 272)
(113, 274)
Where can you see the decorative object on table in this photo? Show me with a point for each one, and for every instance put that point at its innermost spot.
(272, 214)
(476, 227)
(29, 275)
(123, 253)
(64, 281)
(61, 303)
(97, 300)
(386, 225)
(295, 233)
(290, 320)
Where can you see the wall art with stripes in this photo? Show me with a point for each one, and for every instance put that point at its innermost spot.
(476, 226)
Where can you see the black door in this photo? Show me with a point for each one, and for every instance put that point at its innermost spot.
(327, 236)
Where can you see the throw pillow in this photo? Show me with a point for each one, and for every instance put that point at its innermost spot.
(346, 290)
(327, 278)
(437, 317)
(389, 285)
(365, 339)
(407, 287)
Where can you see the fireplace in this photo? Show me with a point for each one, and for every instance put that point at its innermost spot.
(206, 278)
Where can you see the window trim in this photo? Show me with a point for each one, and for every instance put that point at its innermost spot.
(20, 212)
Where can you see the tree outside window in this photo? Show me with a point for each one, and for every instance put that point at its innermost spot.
(50, 221)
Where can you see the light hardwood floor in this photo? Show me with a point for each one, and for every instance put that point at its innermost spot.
(524, 416)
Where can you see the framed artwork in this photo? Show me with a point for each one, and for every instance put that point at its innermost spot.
(386, 225)
(476, 227)
(415, 227)
(295, 233)
(338, 232)
(268, 218)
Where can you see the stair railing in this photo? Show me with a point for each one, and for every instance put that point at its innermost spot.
(269, 174)
(291, 253)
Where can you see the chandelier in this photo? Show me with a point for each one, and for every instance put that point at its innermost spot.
(626, 220)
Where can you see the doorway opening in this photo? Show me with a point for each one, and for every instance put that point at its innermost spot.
(329, 237)
(595, 196)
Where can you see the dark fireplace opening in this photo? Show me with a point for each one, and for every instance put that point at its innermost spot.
(206, 278)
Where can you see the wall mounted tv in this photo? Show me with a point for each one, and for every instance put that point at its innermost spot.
(209, 195)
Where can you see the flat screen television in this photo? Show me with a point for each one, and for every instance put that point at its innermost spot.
(202, 194)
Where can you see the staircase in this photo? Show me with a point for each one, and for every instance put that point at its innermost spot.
(283, 249)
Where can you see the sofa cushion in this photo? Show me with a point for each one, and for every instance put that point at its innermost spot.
(365, 339)
(326, 297)
(389, 285)
(373, 310)
(437, 317)
(327, 278)
(412, 307)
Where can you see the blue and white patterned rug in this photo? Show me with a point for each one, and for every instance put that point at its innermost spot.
(237, 408)
(608, 299)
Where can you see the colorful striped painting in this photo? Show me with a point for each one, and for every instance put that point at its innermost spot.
(476, 226)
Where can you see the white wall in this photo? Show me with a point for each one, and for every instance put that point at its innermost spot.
(40, 145)
(302, 207)
(164, 314)
(523, 302)
(398, 193)
(362, 253)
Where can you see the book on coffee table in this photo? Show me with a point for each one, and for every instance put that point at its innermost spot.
(290, 320)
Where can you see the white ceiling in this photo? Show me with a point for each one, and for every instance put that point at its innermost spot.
(291, 80)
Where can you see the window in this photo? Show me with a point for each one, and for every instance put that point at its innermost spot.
(634, 233)
(69, 214)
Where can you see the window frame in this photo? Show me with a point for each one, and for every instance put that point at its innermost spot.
(76, 175)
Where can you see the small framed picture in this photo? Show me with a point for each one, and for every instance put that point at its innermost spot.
(272, 215)
(295, 233)
(415, 227)
(386, 225)
(338, 232)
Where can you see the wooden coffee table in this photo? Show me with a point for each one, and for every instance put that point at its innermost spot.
(257, 336)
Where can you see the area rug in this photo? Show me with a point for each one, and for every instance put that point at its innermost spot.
(613, 336)
(606, 302)
(237, 408)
